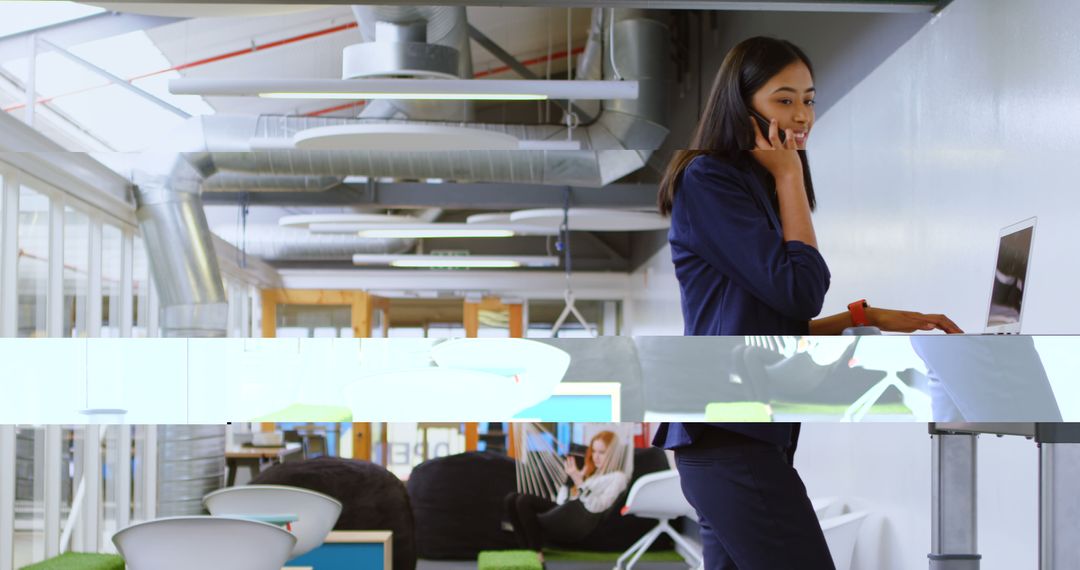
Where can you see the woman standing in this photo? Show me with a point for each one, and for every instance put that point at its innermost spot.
(747, 260)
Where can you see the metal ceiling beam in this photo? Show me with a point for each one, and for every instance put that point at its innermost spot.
(118, 81)
(460, 196)
(82, 30)
(884, 6)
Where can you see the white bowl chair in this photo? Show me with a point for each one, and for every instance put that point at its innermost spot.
(316, 513)
(841, 532)
(658, 496)
(184, 543)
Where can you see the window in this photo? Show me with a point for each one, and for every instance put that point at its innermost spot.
(111, 274)
(140, 291)
(76, 272)
(32, 263)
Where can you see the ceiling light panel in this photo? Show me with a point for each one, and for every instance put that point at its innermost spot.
(483, 89)
(456, 261)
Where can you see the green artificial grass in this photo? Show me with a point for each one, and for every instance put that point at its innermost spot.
(508, 560)
(837, 409)
(737, 412)
(757, 412)
(80, 561)
(589, 556)
(308, 413)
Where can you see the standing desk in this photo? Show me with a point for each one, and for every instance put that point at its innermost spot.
(954, 495)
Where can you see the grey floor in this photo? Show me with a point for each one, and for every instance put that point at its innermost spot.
(471, 565)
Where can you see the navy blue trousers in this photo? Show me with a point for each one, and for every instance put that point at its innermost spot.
(752, 506)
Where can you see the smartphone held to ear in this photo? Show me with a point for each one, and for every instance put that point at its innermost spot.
(763, 124)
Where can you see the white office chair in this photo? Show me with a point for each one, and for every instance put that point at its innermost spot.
(827, 507)
(658, 496)
(841, 532)
(184, 543)
(316, 513)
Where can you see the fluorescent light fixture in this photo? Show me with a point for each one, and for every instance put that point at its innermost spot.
(456, 261)
(435, 232)
(438, 89)
(391, 229)
(370, 95)
(448, 261)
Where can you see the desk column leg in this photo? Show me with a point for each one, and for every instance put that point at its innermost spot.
(1059, 506)
(954, 532)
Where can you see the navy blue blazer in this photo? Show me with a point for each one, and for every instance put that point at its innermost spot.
(737, 275)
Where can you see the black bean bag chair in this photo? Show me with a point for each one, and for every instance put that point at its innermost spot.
(457, 502)
(372, 498)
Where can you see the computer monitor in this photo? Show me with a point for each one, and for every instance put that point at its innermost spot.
(578, 401)
(1010, 278)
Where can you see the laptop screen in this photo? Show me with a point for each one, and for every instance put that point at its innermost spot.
(1010, 278)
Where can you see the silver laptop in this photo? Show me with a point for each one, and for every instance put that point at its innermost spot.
(1010, 278)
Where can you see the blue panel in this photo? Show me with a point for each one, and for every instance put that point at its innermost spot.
(343, 556)
(571, 409)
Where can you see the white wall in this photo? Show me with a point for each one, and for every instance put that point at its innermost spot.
(970, 126)
(653, 307)
(885, 469)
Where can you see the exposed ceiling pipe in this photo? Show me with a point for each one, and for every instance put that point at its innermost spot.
(232, 182)
(181, 254)
(617, 143)
(178, 239)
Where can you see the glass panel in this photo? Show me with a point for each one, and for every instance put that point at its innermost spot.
(29, 495)
(76, 271)
(308, 321)
(237, 297)
(140, 291)
(67, 474)
(112, 461)
(111, 274)
(33, 262)
(378, 318)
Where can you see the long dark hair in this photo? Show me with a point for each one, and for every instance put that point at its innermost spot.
(725, 130)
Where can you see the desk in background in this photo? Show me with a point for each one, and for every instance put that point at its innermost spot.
(254, 457)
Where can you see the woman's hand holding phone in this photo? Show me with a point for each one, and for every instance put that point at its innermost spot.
(779, 157)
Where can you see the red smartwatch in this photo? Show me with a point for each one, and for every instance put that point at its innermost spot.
(858, 313)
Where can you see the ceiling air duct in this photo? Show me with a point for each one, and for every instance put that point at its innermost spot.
(229, 153)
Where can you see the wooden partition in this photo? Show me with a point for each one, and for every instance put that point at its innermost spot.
(362, 306)
(472, 315)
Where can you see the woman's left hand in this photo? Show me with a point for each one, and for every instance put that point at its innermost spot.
(576, 474)
(909, 321)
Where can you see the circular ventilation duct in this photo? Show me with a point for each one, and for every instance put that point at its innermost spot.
(399, 50)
